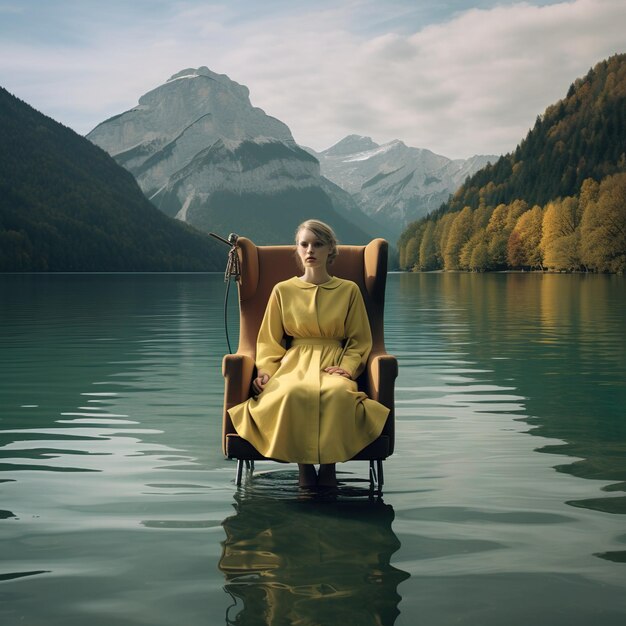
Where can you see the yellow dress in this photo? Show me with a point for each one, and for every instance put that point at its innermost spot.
(305, 415)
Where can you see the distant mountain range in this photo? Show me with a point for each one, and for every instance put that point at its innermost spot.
(203, 154)
(394, 183)
(66, 205)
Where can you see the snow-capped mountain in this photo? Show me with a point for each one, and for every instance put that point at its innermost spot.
(394, 183)
(202, 153)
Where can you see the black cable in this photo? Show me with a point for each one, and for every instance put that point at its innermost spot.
(233, 270)
(230, 351)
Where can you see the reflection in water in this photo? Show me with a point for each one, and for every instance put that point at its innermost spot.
(310, 561)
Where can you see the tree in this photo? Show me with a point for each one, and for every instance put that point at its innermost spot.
(515, 251)
(560, 242)
(475, 253)
(499, 228)
(603, 227)
(428, 249)
(442, 229)
(460, 233)
(412, 253)
(523, 248)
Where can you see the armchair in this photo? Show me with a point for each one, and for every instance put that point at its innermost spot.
(261, 268)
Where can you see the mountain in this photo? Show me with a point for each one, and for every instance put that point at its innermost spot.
(203, 154)
(65, 205)
(557, 202)
(394, 183)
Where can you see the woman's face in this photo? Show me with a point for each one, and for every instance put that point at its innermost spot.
(312, 252)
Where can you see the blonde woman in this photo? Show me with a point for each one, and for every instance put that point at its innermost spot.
(313, 343)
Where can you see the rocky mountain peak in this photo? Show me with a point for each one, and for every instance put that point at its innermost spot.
(203, 154)
(204, 72)
(394, 183)
(193, 102)
(350, 145)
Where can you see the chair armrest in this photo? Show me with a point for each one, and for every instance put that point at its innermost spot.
(238, 370)
(381, 371)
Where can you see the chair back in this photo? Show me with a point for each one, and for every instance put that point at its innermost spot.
(264, 266)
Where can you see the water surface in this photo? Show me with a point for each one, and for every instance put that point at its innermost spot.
(504, 501)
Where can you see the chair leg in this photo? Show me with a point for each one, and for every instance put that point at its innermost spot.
(381, 479)
(373, 477)
(376, 475)
(239, 472)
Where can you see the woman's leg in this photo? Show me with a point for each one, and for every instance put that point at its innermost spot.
(327, 476)
(308, 476)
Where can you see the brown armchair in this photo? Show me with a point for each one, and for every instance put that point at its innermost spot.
(261, 268)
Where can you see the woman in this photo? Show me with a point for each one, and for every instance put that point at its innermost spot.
(312, 345)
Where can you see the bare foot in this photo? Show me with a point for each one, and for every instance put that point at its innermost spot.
(307, 476)
(327, 476)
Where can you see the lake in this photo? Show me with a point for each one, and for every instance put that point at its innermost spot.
(504, 502)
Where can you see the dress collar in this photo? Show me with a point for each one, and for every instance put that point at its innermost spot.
(333, 283)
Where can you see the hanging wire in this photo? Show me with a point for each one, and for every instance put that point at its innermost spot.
(233, 270)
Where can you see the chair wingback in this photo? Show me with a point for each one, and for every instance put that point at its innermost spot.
(264, 266)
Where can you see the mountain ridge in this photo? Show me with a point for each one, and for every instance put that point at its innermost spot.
(196, 141)
(65, 205)
(394, 183)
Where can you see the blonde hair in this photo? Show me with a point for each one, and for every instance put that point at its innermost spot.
(324, 233)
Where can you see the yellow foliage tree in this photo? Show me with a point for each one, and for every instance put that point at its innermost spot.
(523, 248)
(428, 249)
(560, 241)
(460, 233)
(411, 253)
(499, 228)
(603, 227)
(475, 253)
(442, 230)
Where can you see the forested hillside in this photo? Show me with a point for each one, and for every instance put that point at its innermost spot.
(558, 202)
(65, 205)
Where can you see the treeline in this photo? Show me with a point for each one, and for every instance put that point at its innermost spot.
(582, 232)
(582, 136)
(558, 202)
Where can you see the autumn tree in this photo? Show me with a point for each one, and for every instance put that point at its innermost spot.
(442, 230)
(560, 241)
(460, 233)
(412, 252)
(428, 249)
(499, 228)
(523, 247)
(475, 253)
(603, 227)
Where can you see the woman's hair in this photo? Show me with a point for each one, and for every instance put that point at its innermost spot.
(324, 233)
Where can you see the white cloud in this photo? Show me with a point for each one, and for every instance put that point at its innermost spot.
(473, 84)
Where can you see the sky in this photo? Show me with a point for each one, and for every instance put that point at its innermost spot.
(458, 77)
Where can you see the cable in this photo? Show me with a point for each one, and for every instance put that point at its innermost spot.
(233, 270)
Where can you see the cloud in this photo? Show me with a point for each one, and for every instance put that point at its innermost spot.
(471, 84)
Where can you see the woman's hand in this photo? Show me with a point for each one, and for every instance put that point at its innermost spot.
(258, 384)
(333, 369)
